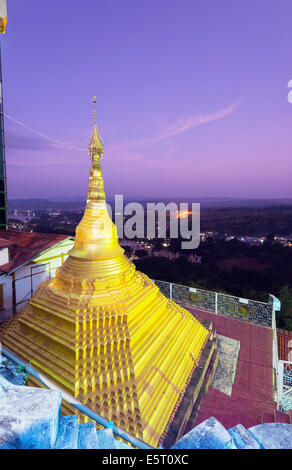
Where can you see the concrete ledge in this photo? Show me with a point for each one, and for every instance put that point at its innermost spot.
(273, 435)
(29, 417)
(208, 435)
(228, 356)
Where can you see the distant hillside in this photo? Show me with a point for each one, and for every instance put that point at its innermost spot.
(230, 202)
(35, 204)
(204, 202)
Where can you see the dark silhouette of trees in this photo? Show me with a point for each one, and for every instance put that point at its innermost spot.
(274, 273)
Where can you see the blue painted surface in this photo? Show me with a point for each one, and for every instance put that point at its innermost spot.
(29, 417)
(106, 439)
(68, 433)
(208, 435)
(243, 439)
(87, 436)
(121, 445)
(273, 435)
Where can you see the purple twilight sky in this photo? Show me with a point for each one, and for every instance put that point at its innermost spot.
(192, 97)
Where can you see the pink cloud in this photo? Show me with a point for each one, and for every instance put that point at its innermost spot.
(183, 124)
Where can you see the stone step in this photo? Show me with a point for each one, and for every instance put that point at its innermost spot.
(242, 438)
(229, 418)
(33, 415)
(106, 439)
(280, 417)
(208, 435)
(87, 436)
(273, 435)
(121, 445)
(68, 433)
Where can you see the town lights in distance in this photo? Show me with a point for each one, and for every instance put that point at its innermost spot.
(3, 16)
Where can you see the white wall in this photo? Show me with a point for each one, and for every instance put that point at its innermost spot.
(30, 276)
(4, 256)
(27, 279)
(7, 312)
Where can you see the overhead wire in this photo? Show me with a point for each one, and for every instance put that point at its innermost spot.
(58, 142)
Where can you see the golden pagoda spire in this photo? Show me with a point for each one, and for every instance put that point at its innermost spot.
(95, 150)
(96, 235)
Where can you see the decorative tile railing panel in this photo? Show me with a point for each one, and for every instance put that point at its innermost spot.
(251, 310)
(180, 293)
(258, 312)
(164, 287)
(199, 297)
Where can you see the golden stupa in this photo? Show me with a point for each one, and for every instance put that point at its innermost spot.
(103, 331)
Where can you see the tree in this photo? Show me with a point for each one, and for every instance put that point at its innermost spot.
(284, 318)
(128, 249)
(270, 238)
(141, 253)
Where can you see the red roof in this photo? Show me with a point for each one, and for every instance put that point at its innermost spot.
(25, 246)
(5, 243)
(284, 344)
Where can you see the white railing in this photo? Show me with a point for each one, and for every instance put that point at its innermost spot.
(275, 349)
(284, 386)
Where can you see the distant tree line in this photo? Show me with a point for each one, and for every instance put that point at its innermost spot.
(252, 284)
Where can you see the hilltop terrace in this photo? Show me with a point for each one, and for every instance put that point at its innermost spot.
(252, 397)
(247, 394)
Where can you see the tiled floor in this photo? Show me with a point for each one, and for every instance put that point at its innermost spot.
(252, 390)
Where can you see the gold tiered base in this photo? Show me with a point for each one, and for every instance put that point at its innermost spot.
(117, 344)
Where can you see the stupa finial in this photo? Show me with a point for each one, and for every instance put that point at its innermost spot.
(94, 111)
(95, 148)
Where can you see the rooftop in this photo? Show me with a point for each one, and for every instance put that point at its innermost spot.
(5, 243)
(25, 246)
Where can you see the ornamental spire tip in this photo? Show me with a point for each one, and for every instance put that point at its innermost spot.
(95, 147)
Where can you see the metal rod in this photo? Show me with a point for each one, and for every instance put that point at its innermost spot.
(280, 386)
